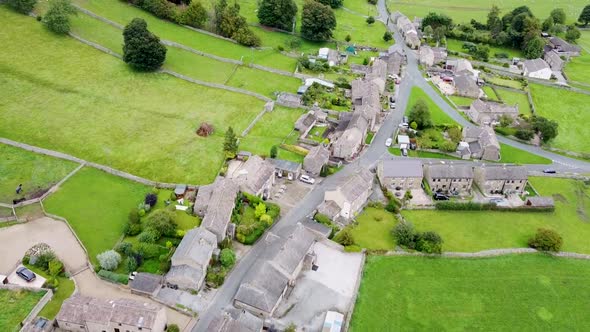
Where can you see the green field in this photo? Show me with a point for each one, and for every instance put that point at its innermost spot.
(96, 205)
(374, 229)
(515, 98)
(29, 212)
(510, 293)
(361, 32)
(578, 69)
(439, 117)
(457, 46)
(36, 172)
(93, 106)
(461, 101)
(570, 110)
(470, 231)
(462, 11)
(511, 154)
(16, 305)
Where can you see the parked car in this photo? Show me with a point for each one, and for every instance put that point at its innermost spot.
(26, 274)
(406, 119)
(549, 171)
(392, 106)
(391, 99)
(405, 152)
(440, 197)
(404, 125)
(306, 179)
(388, 142)
(496, 200)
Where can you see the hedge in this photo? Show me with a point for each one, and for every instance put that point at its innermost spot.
(295, 149)
(114, 277)
(472, 206)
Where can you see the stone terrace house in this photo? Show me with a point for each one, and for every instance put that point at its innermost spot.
(350, 196)
(482, 143)
(215, 203)
(255, 177)
(455, 179)
(430, 56)
(317, 157)
(537, 68)
(466, 86)
(458, 66)
(394, 59)
(264, 288)
(486, 112)
(400, 175)
(553, 60)
(235, 320)
(87, 314)
(191, 259)
(501, 179)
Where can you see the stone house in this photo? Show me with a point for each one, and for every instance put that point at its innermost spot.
(455, 179)
(400, 175)
(486, 112)
(459, 66)
(255, 177)
(191, 259)
(501, 179)
(553, 60)
(285, 168)
(426, 56)
(317, 157)
(537, 68)
(86, 314)
(466, 86)
(482, 143)
(215, 203)
(234, 320)
(351, 195)
(564, 48)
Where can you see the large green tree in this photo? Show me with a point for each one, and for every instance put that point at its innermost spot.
(572, 34)
(332, 3)
(420, 114)
(57, 18)
(277, 13)
(317, 21)
(230, 145)
(436, 20)
(22, 6)
(558, 15)
(534, 48)
(142, 49)
(494, 22)
(585, 15)
(195, 15)
(548, 129)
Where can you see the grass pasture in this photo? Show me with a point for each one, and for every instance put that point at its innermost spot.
(510, 154)
(438, 115)
(471, 231)
(578, 69)
(457, 46)
(514, 98)
(96, 204)
(509, 293)
(570, 110)
(36, 172)
(142, 123)
(374, 229)
(16, 305)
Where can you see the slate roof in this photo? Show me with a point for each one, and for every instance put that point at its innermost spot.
(253, 174)
(285, 165)
(220, 206)
(504, 172)
(186, 276)
(329, 208)
(317, 157)
(485, 135)
(411, 168)
(81, 309)
(357, 184)
(262, 288)
(485, 111)
(466, 86)
(202, 200)
(145, 282)
(540, 201)
(459, 65)
(450, 171)
(287, 254)
(535, 65)
(235, 321)
(564, 46)
(196, 246)
(553, 60)
(180, 189)
(305, 121)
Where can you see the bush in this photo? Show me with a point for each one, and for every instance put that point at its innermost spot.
(216, 276)
(180, 233)
(131, 264)
(114, 277)
(124, 248)
(524, 134)
(227, 258)
(148, 250)
(405, 234)
(429, 242)
(151, 199)
(322, 219)
(22, 6)
(149, 235)
(273, 210)
(43, 260)
(55, 267)
(266, 219)
(163, 221)
(133, 216)
(546, 240)
(173, 328)
(345, 237)
(132, 229)
(109, 260)
(57, 17)
(259, 210)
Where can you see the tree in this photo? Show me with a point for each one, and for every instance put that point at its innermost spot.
(55, 267)
(439, 34)
(547, 24)
(572, 34)
(291, 328)
(57, 18)
(109, 260)
(317, 21)
(455, 134)
(344, 237)
(142, 49)
(387, 36)
(22, 6)
(494, 22)
(274, 151)
(420, 114)
(429, 242)
(370, 20)
(428, 32)
(348, 38)
(332, 3)
(230, 145)
(437, 20)
(546, 240)
(260, 210)
(404, 234)
(506, 120)
(585, 15)
(163, 221)
(218, 11)
(558, 15)
(151, 199)
(525, 134)
(482, 52)
(548, 129)
(131, 265)
(227, 257)
(534, 48)
(195, 14)
(277, 13)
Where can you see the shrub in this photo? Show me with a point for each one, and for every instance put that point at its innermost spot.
(124, 248)
(133, 216)
(51, 283)
(370, 20)
(322, 219)
(274, 151)
(132, 229)
(114, 277)
(148, 250)
(226, 243)
(345, 237)
(55, 267)
(180, 233)
(387, 36)
(227, 258)
(142, 49)
(131, 264)
(109, 260)
(546, 240)
(405, 234)
(524, 134)
(273, 210)
(151, 199)
(163, 221)
(57, 17)
(260, 210)
(149, 235)
(392, 207)
(173, 328)
(43, 260)
(429, 242)
(266, 219)
(22, 6)
(216, 276)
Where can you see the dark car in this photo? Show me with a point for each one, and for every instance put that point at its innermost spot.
(440, 197)
(549, 171)
(26, 274)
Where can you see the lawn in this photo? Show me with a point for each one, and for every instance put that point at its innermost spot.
(29, 212)
(503, 81)
(361, 32)
(490, 92)
(317, 133)
(36, 172)
(421, 154)
(137, 122)
(5, 212)
(374, 229)
(570, 110)
(263, 82)
(515, 98)
(509, 293)
(470, 231)
(511, 154)
(462, 11)
(64, 290)
(578, 68)
(457, 46)
(461, 101)
(96, 205)
(439, 117)
(16, 305)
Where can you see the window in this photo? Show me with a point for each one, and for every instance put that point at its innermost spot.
(117, 330)
(517, 188)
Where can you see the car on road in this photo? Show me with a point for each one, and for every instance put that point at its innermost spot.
(388, 142)
(440, 197)
(549, 171)
(496, 200)
(405, 120)
(392, 106)
(391, 99)
(306, 179)
(404, 125)
(26, 274)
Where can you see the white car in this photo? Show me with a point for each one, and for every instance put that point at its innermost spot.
(306, 179)
(388, 142)
(392, 106)
(404, 125)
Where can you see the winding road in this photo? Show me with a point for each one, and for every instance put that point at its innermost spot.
(369, 158)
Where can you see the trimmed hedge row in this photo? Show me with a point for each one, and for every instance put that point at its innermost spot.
(472, 206)
(114, 277)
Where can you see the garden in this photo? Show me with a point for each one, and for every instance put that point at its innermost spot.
(36, 172)
(16, 305)
(495, 294)
(252, 217)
